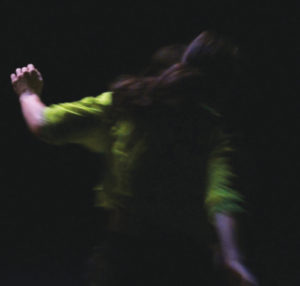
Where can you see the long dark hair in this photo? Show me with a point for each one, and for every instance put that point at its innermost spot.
(208, 68)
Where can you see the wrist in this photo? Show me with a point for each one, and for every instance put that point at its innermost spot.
(27, 93)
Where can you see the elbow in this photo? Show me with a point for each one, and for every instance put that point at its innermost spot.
(36, 129)
(45, 133)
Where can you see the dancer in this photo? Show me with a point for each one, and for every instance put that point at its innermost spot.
(168, 173)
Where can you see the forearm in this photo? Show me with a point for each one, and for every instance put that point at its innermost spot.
(226, 229)
(32, 109)
(225, 226)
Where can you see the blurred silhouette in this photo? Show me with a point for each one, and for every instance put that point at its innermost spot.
(168, 181)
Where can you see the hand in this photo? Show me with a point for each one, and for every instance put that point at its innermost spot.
(239, 275)
(27, 80)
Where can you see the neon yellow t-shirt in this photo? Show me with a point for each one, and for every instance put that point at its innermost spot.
(170, 173)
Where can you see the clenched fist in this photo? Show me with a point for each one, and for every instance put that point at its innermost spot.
(27, 80)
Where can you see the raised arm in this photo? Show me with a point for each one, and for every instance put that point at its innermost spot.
(85, 122)
(28, 83)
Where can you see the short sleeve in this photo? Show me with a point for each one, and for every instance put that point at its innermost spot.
(220, 196)
(84, 122)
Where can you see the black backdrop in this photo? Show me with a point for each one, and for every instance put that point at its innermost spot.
(47, 220)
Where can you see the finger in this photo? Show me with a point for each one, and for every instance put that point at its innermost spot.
(13, 77)
(39, 74)
(24, 69)
(30, 67)
(18, 72)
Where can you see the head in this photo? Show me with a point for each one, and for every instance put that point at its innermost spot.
(165, 57)
(131, 89)
(204, 71)
(209, 51)
(218, 58)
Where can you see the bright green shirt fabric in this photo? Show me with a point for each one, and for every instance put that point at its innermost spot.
(88, 122)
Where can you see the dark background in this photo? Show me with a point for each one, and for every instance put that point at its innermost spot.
(48, 225)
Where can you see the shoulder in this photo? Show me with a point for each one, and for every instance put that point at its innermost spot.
(103, 99)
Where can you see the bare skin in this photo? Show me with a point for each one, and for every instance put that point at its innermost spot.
(28, 84)
(225, 226)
